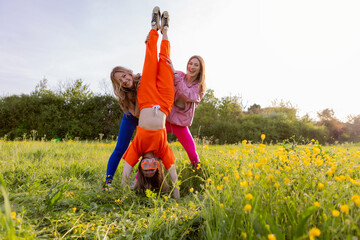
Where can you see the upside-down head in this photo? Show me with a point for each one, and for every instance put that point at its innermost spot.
(151, 175)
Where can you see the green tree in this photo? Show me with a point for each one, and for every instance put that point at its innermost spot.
(352, 128)
(206, 115)
(76, 89)
(334, 126)
(254, 109)
(42, 88)
(230, 108)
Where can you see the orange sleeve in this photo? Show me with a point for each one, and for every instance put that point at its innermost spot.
(168, 157)
(131, 156)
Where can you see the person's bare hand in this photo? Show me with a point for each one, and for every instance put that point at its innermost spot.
(171, 65)
(147, 38)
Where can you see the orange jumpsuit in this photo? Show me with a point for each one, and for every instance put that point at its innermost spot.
(156, 90)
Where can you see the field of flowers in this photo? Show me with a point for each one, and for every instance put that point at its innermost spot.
(244, 191)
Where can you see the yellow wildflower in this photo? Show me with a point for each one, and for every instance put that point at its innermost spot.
(244, 184)
(320, 186)
(247, 207)
(287, 181)
(314, 232)
(191, 190)
(244, 142)
(335, 213)
(219, 188)
(277, 185)
(316, 150)
(317, 204)
(13, 215)
(249, 196)
(356, 199)
(344, 208)
(271, 236)
(263, 136)
(74, 209)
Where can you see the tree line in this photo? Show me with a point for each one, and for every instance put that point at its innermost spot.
(74, 112)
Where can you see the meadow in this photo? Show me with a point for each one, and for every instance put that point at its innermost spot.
(241, 191)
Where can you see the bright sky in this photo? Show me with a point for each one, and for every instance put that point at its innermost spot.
(304, 52)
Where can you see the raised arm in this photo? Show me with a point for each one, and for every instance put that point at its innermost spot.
(134, 110)
(188, 94)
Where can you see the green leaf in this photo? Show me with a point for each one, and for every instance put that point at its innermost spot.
(54, 195)
(274, 228)
(5, 219)
(300, 229)
(259, 225)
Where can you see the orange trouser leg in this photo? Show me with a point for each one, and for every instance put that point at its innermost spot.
(165, 78)
(147, 89)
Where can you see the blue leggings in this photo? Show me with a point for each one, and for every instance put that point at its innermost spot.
(127, 128)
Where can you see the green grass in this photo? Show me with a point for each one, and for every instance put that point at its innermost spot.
(53, 190)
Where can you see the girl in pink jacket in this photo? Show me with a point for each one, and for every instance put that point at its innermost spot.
(189, 89)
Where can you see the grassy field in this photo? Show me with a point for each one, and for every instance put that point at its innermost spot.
(244, 191)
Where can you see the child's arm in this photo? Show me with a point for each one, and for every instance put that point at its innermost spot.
(137, 110)
(126, 173)
(134, 110)
(188, 94)
(174, 180)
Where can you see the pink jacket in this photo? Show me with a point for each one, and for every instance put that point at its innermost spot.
(186, 100)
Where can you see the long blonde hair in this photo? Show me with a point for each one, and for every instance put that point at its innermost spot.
(201, 76)
(124, 96)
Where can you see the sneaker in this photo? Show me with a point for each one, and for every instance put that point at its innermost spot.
(108, 185)
(165, 18)
(155, 21)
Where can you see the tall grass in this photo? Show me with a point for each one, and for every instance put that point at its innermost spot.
(242, 191)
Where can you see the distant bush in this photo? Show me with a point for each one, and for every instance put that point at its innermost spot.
(58, 115)
(277, 128)
(75, 112)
